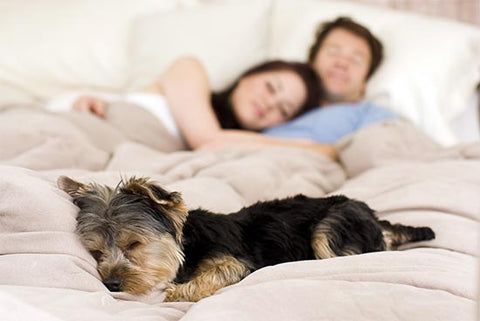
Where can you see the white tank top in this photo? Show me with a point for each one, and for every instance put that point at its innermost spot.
(155, 104)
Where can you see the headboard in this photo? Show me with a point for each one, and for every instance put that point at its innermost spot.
(464, 10)
(467, 11)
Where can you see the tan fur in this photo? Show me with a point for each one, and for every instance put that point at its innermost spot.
(393, 240)
(321, 247)
(176, 208)
(211, 275)
(178, 216)
(74, 188)
(320, 242)
(387, 237)
(155, 260)
(70, 186)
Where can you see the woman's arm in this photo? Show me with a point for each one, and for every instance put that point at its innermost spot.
(236, 137)
(187, 90)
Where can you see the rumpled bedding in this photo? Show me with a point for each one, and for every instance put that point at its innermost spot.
(46, 274)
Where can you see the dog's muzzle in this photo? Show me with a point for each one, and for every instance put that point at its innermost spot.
(113, 283)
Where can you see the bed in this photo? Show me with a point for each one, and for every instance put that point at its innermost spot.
(417, 170)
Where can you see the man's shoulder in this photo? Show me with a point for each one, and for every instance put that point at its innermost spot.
(367, 106)
(328, 124)
(372, 112)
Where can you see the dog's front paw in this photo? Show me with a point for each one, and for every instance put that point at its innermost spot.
(183, 293)
(172, 294)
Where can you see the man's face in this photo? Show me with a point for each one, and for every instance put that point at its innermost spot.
(343, 61)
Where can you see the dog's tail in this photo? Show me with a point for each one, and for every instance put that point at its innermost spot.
(395, 235)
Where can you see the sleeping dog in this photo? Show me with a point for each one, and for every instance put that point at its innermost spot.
(142, 235)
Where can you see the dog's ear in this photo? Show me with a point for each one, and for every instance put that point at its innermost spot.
(141, 186)
(72, 187)
(171, 201)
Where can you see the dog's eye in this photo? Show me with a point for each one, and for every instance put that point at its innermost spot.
(96, 254)
(132, 245)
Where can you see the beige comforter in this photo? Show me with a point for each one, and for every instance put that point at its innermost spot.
(45, 273)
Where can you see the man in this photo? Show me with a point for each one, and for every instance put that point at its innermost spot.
(345, 55)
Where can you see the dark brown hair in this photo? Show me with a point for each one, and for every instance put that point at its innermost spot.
(221, 101)
(376, 48)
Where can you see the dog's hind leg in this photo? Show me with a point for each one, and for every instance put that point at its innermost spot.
(210, 276)
(327, 241)
(321, 245)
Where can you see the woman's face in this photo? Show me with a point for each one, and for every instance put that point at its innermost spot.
(268, 98)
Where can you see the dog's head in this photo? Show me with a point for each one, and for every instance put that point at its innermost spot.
(133, 231)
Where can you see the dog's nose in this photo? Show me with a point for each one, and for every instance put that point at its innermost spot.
(113, 283)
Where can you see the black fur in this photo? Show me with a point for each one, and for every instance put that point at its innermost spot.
(278, 231)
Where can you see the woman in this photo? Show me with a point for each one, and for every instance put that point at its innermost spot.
(264, 96)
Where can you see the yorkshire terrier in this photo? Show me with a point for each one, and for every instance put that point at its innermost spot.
(142, 235)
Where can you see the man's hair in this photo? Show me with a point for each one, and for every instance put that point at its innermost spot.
(221, 101)
(376, 48)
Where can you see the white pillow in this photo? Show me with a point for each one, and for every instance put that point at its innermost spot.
(49, 46)
(431, 66)
(227, 38)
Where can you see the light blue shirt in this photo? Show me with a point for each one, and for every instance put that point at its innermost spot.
(330, 124)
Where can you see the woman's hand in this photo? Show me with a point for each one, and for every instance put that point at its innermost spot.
(91, 104)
